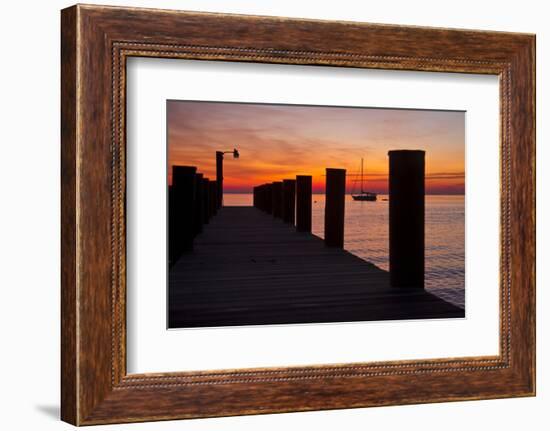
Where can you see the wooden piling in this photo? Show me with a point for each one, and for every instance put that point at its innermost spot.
(219, 178)
(406, 188)
(335, 207)
(267, 200)
(181, 211)
(213, 198)
(276, 198)
(198, 219)
(262, 197)
(206, 200)
(303, 203)
(289, 201)
(173, 250)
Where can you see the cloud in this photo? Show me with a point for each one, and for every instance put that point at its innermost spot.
(277, 141)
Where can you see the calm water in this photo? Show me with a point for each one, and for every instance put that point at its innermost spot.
(366, 236)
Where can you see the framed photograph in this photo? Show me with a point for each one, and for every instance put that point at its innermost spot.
(262, 215)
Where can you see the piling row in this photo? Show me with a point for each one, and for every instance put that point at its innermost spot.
(290, 200)
(192, 202)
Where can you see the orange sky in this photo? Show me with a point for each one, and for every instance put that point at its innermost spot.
(281, 141)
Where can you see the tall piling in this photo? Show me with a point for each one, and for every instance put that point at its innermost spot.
(213, 198)
(303, 203)
(198, 218)
(265, 198)
(268, 198)
(407, 195)
(206, 200)
(335, 207)
(262, 197)
(219, 178)
(181, 211)
(289, 201)
(173, 250)
(256, 197)
(277, 199)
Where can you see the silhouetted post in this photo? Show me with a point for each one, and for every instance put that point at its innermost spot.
(213, 198)
(407, 218)
(173, 250)
(289, 201)
(198, 219)
(256, 197)
(267, 199)
(206, 200)
(182, 200)
(260, 197)
(303, 203)
(334, 207)
(276, 198)
(219, 177)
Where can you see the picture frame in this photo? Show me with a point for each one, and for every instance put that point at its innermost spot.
(96, 41)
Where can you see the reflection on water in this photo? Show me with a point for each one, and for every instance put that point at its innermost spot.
(366, 236)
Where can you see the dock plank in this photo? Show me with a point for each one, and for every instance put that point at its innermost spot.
(248, 268)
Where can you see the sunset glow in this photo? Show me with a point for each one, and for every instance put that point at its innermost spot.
(282, 141)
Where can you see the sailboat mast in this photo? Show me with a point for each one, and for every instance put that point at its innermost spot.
(362, 191)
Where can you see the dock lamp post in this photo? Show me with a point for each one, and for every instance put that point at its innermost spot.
(219, 172)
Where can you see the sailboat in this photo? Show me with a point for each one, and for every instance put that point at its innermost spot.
(364, 196)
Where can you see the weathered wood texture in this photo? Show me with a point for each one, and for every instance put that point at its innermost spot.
(96, 41)
(248, 268)
(69, 352)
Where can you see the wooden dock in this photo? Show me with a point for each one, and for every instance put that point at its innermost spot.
(249, 268)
